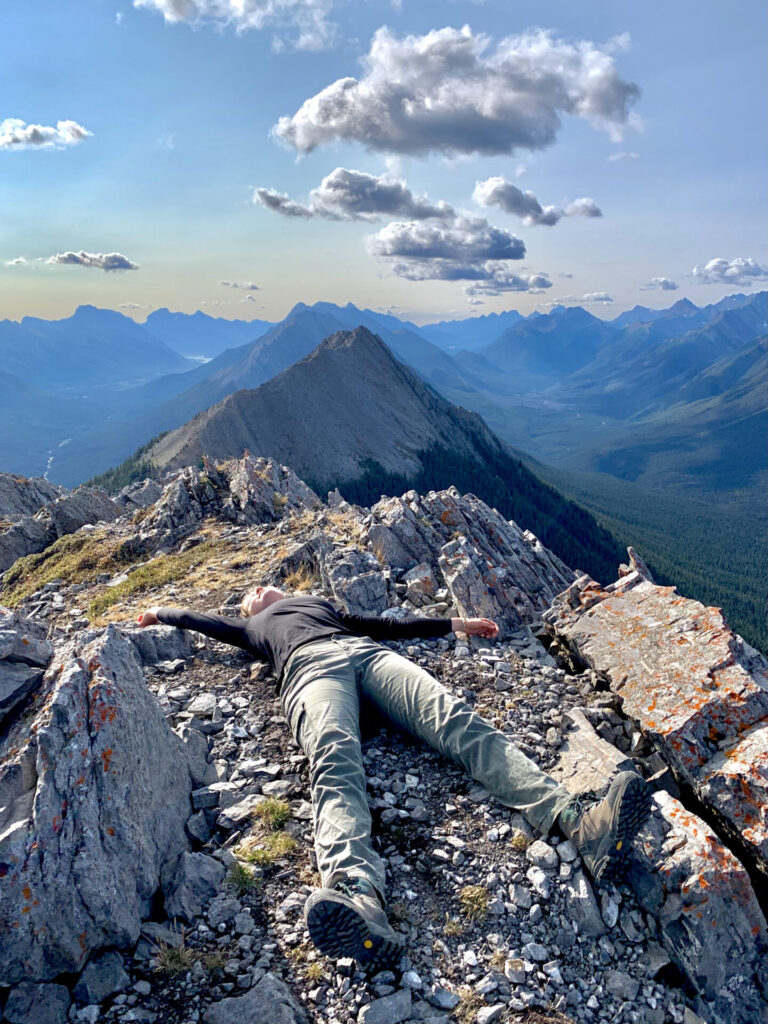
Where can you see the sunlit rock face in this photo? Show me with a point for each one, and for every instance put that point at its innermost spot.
(696, 689)
(95, 797)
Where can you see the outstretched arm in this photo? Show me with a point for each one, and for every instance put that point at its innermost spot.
(380, 628)
(219, 627)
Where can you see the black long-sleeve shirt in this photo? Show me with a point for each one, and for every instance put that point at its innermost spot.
(275, 633)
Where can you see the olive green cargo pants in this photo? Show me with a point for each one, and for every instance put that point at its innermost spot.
(323, 683)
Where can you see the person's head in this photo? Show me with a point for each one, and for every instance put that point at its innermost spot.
(259, 598)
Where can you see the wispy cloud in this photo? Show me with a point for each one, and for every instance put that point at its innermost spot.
(246, 286)
(622, 157)
(445, 92)
(107, 261)
(664, 284)
(742, 271)
(524, 204)
(17, 134)
(355, 195)
(597, 298)
(305, 21)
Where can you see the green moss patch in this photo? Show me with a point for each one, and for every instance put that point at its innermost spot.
(74, 558)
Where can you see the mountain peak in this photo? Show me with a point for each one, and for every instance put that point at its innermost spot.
(683, 307)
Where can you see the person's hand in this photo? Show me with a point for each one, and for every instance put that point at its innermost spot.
(148, 618)
(476, 627)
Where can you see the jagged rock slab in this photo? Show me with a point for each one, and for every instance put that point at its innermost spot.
(248, 490)
(95, 793)
(711, 922)
(269, 1001)
(82, 507)
(491, 567)
(27, 536)
(695, 688)
(24, 655)
(355, 579)
(585, 760)
(23, 496)
(261, 489)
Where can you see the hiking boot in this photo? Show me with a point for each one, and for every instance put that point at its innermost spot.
(349, 920)
(602, 830)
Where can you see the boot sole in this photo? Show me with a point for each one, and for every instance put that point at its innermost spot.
(633, 808)
(337, 930)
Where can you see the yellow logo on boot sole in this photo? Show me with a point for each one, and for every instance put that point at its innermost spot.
(367, 943)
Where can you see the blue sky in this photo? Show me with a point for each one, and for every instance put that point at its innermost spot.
(457, 161)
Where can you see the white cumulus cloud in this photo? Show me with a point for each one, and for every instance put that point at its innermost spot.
(305, 20)
(355, 195)
(499, 192)
(447, 92)
(742, 271)
(17, 134)
(97, 260)
(246, 286)
(463, 249)
(663, 284)
(18, 261)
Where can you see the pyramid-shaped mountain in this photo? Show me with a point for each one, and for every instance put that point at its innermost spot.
(347, 404)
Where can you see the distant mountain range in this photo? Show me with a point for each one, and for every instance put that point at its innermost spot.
(670, 403)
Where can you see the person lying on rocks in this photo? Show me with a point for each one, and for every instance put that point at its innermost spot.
(327, 662)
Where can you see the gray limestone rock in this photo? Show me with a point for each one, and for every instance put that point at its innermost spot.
(161, 643)
(23, 496)
(37, 1004)
(582, 905)
(622, 985)
(96, 797)
(28, 536)
(84, 506)
(270, 1000)
(194, 882)
(139, 494)
(491, 567)
(103, 977)
(390, 1009)
(356, 580)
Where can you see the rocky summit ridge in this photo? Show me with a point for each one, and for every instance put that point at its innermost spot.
(155, 829)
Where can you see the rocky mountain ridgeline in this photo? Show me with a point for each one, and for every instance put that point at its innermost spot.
(155, 829)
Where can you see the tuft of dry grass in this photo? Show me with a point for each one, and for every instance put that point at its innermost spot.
(520, 842)
(469, 1003)
(474, 900)
(453, 926)
(243, 879)
(273, 814)
(156, 573)
(173, 960)
(266, 851)
(302, 579)
(314, 973)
